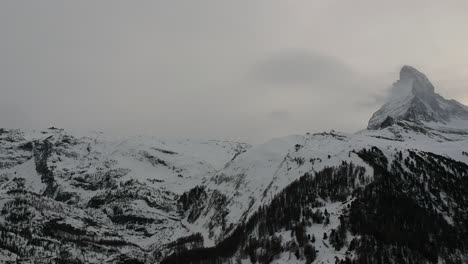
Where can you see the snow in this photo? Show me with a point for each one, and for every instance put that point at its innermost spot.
(256, 176)
(165, 168)
(325, 252)
(27, 171)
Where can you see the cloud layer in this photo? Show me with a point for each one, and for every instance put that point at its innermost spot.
(242, 70)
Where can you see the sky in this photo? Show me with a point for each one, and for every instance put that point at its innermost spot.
(244, 70)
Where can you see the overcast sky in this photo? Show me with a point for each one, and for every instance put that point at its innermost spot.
(243, 70)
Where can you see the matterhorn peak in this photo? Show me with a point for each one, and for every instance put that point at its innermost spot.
(413, 98)
(418, 82)
(409, 72)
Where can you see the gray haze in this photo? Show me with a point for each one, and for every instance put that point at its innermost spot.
(243, 70)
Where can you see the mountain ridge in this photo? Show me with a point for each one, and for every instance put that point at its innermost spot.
(327, 197)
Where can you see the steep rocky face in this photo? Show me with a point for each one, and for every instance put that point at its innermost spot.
(420, 84)
(413, 99)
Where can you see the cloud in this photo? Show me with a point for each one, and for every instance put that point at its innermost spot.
(310, 74)
(307, 91)
(241, 70)
(373, 101)
(279, 115)
(301, 68)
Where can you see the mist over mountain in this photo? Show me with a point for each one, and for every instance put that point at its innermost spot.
(394, 192)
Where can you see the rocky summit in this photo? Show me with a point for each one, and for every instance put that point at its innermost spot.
(413, 98)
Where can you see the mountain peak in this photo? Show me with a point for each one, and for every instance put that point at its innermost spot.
(418, 82)
(413, 98)
(408, 71)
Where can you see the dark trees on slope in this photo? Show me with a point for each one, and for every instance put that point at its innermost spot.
(415, 211)
(292, 209)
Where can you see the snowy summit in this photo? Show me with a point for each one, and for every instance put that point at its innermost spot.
(413, 98)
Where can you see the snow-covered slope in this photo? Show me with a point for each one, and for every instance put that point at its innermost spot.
(254, 178)
(175, 165)
(131, 184)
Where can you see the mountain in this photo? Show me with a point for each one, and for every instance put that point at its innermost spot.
(392, 193)
(413, 98)
(109, 195)
(382, 195)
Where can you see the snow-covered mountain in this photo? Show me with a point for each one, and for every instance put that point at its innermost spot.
(392, 193)
(417, 140)
(118, 190)
(413, 98)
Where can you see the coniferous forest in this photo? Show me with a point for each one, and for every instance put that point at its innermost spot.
(392, 219)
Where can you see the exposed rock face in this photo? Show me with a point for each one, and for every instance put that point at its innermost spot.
(420, 83)
(413, 98)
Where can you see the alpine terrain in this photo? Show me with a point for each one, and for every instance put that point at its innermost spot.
(395, 192)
